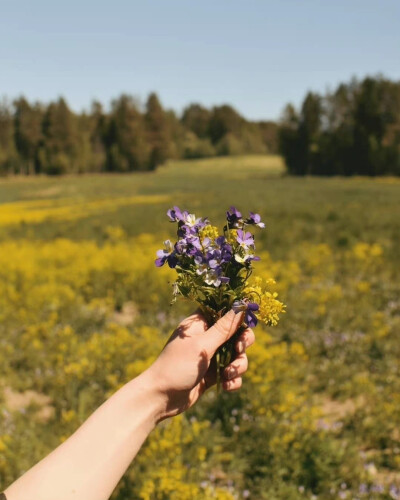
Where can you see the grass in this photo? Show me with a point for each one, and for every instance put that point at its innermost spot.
(338, 211)
(322, 391)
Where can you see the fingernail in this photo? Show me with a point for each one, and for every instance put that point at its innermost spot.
(241, 346)
(235, 315)
(232, 314)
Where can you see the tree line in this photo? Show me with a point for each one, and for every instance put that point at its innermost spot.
(37, 138)
(354, 130)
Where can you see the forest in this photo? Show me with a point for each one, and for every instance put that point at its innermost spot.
(52, 139)
(352, 130)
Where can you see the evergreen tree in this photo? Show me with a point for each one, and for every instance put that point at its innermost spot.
(28, 132)
(289, 144)
(92, 154)
(270, 136)
(8, 154)
(309, 129)
(224, 120)
(196, 118)
(59, 151)
(125, 137)
(177, 134)
(157, 132)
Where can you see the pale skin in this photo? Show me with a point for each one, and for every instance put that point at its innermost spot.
(89, 464)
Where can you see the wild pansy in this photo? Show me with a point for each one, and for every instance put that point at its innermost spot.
(256, 220)
(214, 270)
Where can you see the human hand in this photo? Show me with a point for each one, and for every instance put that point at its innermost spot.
(186, 367)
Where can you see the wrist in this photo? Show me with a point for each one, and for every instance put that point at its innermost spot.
(145, 390)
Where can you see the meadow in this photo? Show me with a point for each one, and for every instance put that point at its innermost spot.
(83, 309)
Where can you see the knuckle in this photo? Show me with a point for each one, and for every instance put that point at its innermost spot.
(222, 326)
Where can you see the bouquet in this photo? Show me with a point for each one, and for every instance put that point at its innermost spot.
(214, 271)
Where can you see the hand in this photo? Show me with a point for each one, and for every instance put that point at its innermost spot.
(186, 367)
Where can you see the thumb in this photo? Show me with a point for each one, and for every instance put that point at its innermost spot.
(223, 329)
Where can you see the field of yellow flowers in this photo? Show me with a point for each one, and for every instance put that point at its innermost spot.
(83, 309)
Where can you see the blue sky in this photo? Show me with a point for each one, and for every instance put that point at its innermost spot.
(254, 54)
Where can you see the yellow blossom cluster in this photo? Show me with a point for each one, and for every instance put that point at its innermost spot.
(80, 319)
(208, 231)
(270, 306)
(232, 237)
(64, 209)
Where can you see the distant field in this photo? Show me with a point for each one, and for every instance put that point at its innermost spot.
(337, 211)
(83, 309)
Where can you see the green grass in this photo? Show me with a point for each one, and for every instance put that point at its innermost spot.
(338, 211)
(322, 392)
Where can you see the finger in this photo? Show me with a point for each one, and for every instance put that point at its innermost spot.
(210, 378)
(237, 367)
(223, 329)
(232, 385)
(245, 340)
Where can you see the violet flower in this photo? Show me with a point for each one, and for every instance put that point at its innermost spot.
(234, 217)
(256, 220)
(249, 308)
(166, 255)
(190, 220)
(244, 239)
(175, 214)
(214, 277)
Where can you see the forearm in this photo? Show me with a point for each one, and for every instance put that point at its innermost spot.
(89, 464)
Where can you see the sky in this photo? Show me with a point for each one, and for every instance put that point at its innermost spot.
(256, 55)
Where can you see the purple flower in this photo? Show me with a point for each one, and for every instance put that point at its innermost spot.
(193, 245)
(201, 268)
(166, 255)
(213, 263)
(226, 253)
(207, 242)
(189, 226)
(189, 245)
(234, 217)
(256, 220)
(249, 307)
(190, 220)
(250, 318)
(213, 258)
(175, 214)
(214, 277)
(185, 231)
(180, 246)
(225, 248)
(244, 239)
